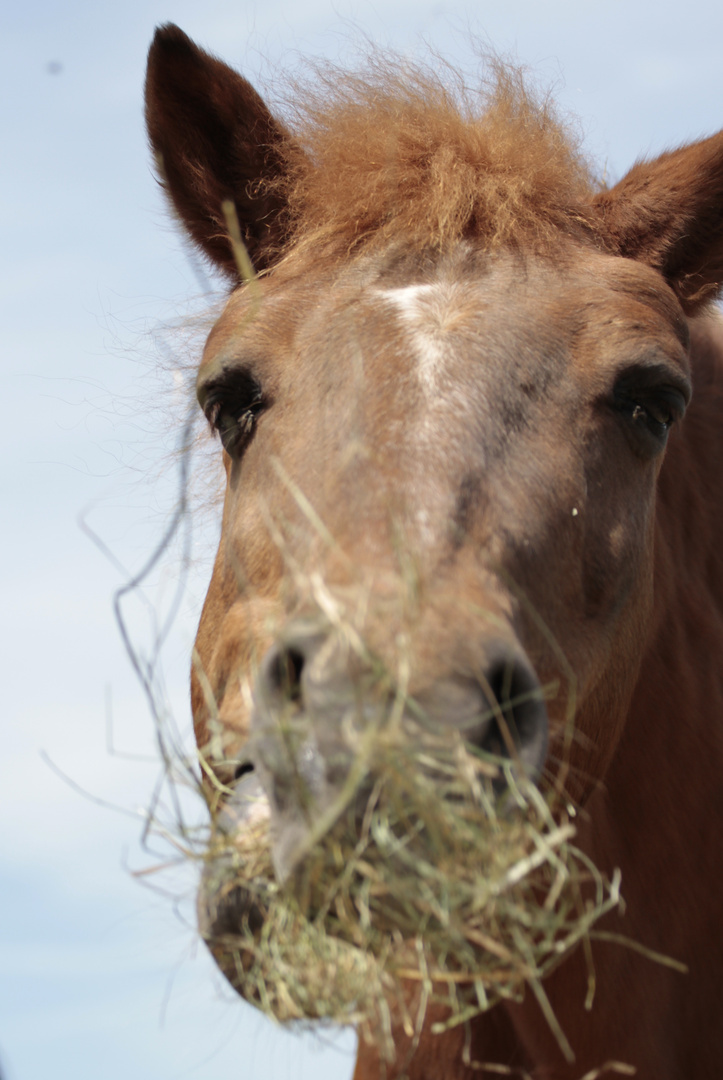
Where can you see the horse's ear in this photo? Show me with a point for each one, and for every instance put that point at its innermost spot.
(214, 139)
(668, 213)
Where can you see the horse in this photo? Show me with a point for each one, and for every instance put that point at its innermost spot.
(460, 371)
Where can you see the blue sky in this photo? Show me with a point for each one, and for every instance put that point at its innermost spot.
(101, 978)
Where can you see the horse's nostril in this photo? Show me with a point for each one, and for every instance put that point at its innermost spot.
(284, 672)
(518, 726)
(242, 769)
(518, 695)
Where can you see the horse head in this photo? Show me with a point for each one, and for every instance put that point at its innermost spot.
(444, 398)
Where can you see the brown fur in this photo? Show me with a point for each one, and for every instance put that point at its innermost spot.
(398, 153)
(476, 426)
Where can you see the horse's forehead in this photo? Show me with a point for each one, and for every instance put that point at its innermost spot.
(426, 309)
(526, 315)
(497, 306)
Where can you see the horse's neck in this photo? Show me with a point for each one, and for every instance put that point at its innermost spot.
(451, 1055)
(666, 776)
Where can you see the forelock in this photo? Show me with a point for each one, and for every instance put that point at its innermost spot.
(405, 153)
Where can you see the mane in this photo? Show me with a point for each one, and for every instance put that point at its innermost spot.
(401, 152)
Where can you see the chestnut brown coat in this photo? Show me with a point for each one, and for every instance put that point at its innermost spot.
(466, 361)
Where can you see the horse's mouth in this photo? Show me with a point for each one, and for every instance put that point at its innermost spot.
(230, 922)
(227, 908)
(254, 856)
(231, 917)
(233, 910)
(444, 883)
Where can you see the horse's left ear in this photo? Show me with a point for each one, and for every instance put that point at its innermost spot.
(668, 213)
(214, 140)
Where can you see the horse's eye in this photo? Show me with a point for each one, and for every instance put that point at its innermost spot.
(231, 409)
(234, 424)
(649, 414)
(657, 417)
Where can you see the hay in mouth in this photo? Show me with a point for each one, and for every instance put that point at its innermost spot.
(442, 892)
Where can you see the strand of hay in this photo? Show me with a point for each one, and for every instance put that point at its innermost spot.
(438, 891)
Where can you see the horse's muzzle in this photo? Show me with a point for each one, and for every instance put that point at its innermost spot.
(316, 696)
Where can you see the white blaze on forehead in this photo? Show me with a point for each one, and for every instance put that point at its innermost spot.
(424, 309)
(428, 314)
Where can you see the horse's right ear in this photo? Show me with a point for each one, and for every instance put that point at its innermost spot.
(214, 139)
(668, 213)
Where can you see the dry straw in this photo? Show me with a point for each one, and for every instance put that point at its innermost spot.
(421, 885)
